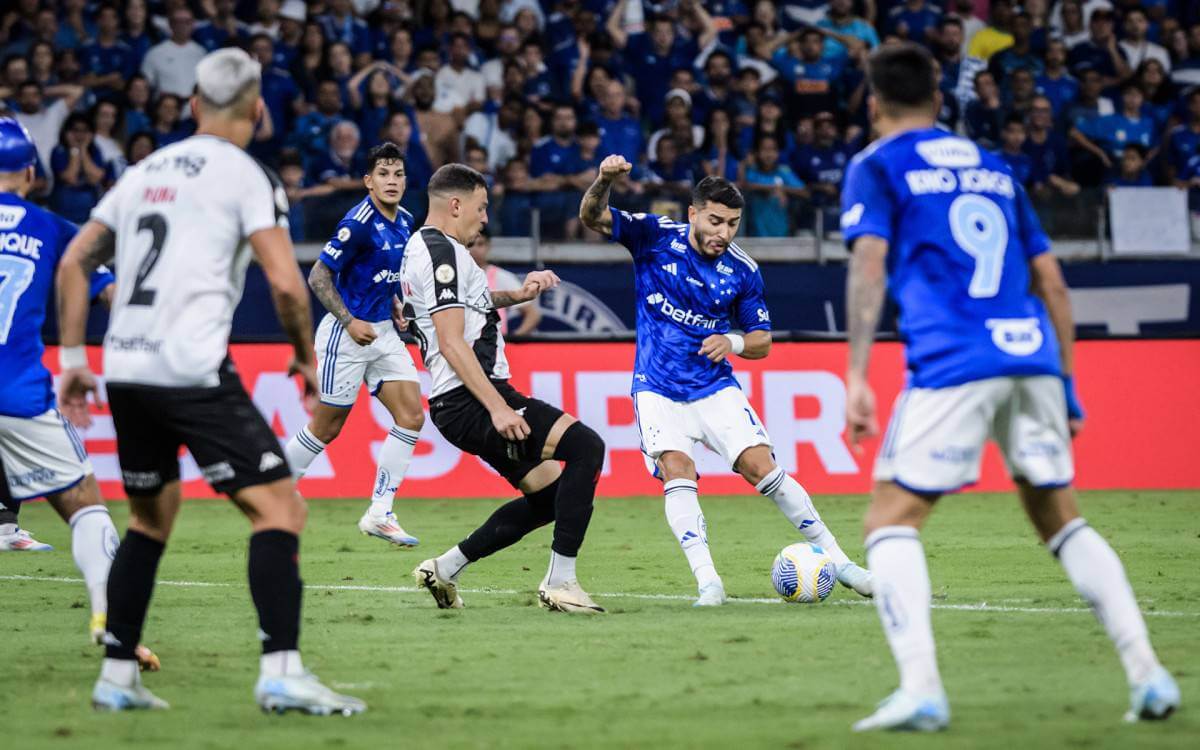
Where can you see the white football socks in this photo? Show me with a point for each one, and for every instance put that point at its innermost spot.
(896, 558)
(123, 672)
(795, 503)
(562, 569)
(394, 457)
(302, 450)
(281, 664)
(93, 544)
(1099, 577)
(8, 529)
(687, 522)
(451, 563)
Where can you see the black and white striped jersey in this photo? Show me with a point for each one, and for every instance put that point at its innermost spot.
(437, 274)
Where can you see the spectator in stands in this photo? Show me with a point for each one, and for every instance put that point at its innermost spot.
(44, 118)
(1107, 137)
(508, 44)
(1137, 46)
(456, 81)
(222, 29)
(107, 61)
(43, 63)
(1021, 90)
(1132, 171)
(1100, 51)
(811, 80)
(475, 157)
(339, 65)
(15, 72)
(769, 122)
(770, 187)
(137, 32)
(74, 29)
(1185, 65)
(821, 165)
(1021, 55)
(340, 24)
(559, 175)
(107, 134)
(948, 49)
(539, 88)
(342, 166)
(309, 67)
(417, 166)
(1011, 152)
(439, 129)
(266, 20)
(1055, 82)
(747, 86)
(1089, 103)
(80, 172)
(167, 123)
(985, 115)
(292, 17)
(369, 92)
(137, 105)
(1183, 141)
(951, 110)
(1071, 28)
(718, 153)
(1047, 150)
(499, 279)
(668, 175)
(492, 127)
(517, 207)
(717, 91)
(619, 133)
(310, 135)
(400, 50)
(914, 20)
(678, 124)
(844, 30)
(170, 66)
(139, 146)
(1162, 101)
(997, 35)
(280, 94)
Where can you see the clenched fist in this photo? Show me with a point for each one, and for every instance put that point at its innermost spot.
(614, 166)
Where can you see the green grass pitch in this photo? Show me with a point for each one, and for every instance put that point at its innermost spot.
(1030, 669)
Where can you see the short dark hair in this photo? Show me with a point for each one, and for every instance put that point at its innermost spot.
(718, 190)
(386, 151)
(1014, 119)
(455, 178)
(902, 75)
(950, 21)
(1138, 149)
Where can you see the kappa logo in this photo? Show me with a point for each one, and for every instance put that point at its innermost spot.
(269, 461)
(671, 268)
(446, 294)
(722, 268)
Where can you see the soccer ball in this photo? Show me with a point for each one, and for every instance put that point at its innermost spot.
(803, 573)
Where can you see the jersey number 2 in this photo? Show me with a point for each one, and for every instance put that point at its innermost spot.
(16, 274)
(981, 230)
(157, 224)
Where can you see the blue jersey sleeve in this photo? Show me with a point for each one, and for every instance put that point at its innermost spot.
(751, 306)
(346, 243)
(868, 203)
(637, 232)
(1033, 240)
(100, 280)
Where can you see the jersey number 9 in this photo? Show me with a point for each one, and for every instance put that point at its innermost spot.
(981, 230)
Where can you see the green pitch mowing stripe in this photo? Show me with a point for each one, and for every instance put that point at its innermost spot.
(1024, 665)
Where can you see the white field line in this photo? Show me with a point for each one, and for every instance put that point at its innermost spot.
(976, 607)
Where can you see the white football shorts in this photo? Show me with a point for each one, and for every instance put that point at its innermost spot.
(42, 455)
(934, 442)
(343, 366)
(723, 421)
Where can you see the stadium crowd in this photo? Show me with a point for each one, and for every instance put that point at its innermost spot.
(1077, 95)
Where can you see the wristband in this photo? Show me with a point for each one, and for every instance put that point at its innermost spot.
(72, 357)
(1074, 408)
(737, 342)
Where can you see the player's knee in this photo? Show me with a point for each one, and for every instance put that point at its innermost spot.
(581, 445)
(326, 430)
(410, 419)
(676, 465)
(755, 464)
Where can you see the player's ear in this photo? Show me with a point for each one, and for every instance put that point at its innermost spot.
(194, 106)
(937, 102)
(692, 213)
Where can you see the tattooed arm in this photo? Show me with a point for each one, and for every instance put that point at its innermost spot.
(320, 280)
(536, 282)
(593, 210)
(93, 245)
(866, 285)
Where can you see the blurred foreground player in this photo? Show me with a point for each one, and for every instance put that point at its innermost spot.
(41, 453)
(184, 223)
(989, 339)
(357, 279)
(457, 324)
(695, 286)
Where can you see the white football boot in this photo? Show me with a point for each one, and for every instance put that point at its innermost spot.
(109, 696)
(1156, 698)
(712, 594)
(303, 693)
(387, 529)
(444, 590)
(567, 597)
(22, 541)
(854, 576)
(908, 712)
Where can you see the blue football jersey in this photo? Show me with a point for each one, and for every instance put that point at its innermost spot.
(683, 298)
(364, 254)
(960, 232)
(32, 240)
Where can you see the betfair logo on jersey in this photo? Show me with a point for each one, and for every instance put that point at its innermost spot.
(386, 276)
(678, 314)
(671, 268)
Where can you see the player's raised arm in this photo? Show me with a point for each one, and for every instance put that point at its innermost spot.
(536, 282)
(273, 250)
(593, 209)
(94, 245)
(866, 285)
